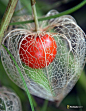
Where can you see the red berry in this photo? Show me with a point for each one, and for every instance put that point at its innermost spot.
(38, 52)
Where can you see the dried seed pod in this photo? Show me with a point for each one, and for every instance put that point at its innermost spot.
(9, 101)
(54, 81)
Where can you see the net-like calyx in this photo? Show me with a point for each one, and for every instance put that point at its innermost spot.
(9, 101)
(50, 71)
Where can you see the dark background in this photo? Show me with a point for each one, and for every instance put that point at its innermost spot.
(78, 94)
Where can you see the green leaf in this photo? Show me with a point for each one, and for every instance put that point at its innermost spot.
(38, 76)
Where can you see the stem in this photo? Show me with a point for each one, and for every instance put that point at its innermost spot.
(7, 17)
(54, 16)
(44, 107)
(23, 80)
(35, 15)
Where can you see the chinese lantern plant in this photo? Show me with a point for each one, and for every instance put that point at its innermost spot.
(50, 62)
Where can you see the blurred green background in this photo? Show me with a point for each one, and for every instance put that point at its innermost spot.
(78, 94)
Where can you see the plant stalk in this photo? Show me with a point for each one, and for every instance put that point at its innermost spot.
(7, 17)
(33, 2)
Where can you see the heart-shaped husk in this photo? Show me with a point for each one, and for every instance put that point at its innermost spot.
(56, 80)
